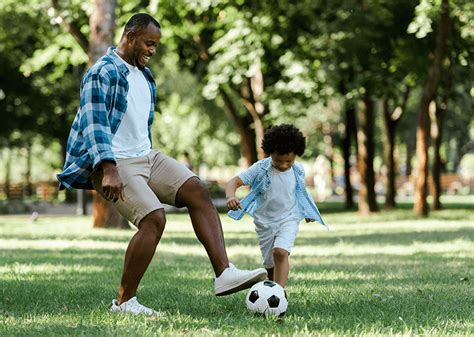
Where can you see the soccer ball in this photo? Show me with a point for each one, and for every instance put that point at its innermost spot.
(267, 297)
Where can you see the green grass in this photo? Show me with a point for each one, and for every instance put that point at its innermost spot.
(390, 274)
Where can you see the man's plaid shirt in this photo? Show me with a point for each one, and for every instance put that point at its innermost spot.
(103, 101)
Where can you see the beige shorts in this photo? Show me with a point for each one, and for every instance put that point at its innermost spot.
(148, 182)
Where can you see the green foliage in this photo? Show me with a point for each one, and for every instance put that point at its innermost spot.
(188, 122)
(316, 57)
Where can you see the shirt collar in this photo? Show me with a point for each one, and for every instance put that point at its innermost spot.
(123, 69)
(267, 166)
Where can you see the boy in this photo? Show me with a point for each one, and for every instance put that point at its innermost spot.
(278, 198)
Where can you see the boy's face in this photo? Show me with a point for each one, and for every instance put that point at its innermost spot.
(283, 162)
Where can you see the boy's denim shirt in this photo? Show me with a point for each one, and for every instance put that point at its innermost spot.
(259, 177)
(103, 103)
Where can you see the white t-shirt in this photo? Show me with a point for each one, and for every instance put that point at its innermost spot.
(278, 203)
(131, 138)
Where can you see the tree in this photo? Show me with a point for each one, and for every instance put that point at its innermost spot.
(391, 119)
(428, 95)
(102, 31)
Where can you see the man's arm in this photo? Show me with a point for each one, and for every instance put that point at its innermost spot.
(94, 121)
(112, 185)
(96, 130)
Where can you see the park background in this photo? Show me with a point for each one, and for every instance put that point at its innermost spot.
(382, 90)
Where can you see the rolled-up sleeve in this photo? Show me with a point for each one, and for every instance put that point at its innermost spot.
(248, 176)
(94, 121)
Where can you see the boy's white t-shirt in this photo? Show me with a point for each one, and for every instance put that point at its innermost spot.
(278, 203)
(131, 138)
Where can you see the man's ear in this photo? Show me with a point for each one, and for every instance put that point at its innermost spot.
(131, 36)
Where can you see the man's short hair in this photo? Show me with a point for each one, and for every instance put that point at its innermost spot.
(140, 21)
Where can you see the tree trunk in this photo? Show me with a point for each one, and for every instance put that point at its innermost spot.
(249, 138)
(29, 185)
(436, 168)
(102, 27)
(8, 165)
(389, 149)
(365, 160)
(437, 135)
(411, 145)
(391, 120)
(430, 89)
(105, 215)
(102, 30)
(346, 152)
(251, 93)
(247, 135)
(421, 185)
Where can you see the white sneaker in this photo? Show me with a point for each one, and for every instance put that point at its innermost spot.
(232, 279)
(133, 307)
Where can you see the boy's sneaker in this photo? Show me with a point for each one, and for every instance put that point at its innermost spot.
(232, 279)
(133, 307)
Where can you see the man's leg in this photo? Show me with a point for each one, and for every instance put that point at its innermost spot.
(139, 253)
(194, 195)
(207, 225)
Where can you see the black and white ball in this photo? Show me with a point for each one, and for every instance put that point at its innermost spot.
(267, 297)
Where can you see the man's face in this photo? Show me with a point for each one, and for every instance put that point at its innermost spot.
(283, 162)
(142, 45)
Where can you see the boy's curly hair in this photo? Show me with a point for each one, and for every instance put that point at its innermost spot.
(283, 139)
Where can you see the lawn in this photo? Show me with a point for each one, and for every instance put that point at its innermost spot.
(390, 274)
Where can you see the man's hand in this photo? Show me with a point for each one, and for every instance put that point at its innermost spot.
(112, 186)
(233, 203)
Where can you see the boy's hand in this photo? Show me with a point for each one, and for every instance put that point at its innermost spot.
(309, 220)
(233, 203)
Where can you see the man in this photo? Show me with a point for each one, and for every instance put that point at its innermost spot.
(109, 149)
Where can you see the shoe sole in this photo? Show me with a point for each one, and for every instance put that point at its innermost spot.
(155, 314)
(245, 285)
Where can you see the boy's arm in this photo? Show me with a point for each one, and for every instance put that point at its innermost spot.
(232, 202)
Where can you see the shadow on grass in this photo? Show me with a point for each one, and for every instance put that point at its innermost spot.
(246, 238)
(422, 290)
(415, 292)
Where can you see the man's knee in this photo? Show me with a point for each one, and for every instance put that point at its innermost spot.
(279, 254)
(154, 221)
(193, 192)
(197, 186)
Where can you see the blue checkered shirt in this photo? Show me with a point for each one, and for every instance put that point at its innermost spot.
(259, 177)
(103, 102)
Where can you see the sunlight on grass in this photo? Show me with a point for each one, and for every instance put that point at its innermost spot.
(387, 275)
(197, 250)
(334, 275)
(45, 268)
(459, 248)
(390, 226)
(61, 244)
